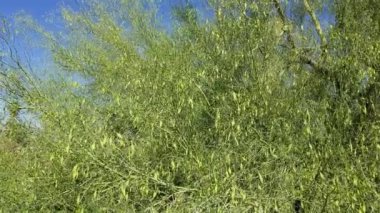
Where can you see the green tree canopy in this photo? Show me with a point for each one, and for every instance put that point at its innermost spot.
(261, 107)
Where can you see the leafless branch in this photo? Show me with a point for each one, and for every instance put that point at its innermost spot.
(305, 59)
(317, 26)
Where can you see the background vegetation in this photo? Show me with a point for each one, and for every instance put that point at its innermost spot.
(256, 109)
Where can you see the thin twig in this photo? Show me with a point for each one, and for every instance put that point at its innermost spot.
(305, 59)
(317, 25)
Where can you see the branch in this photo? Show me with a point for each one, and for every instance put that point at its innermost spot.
(305, 59)
(317, 25)
(7, 41)
(284, 22)
(316, 66)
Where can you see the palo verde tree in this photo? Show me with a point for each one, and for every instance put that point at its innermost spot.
(263, 107)
(18, 85)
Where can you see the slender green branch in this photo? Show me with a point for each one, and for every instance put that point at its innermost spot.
(305, 59)
(317, 25)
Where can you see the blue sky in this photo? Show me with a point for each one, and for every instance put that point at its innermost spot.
(41, 10)
(37, 8)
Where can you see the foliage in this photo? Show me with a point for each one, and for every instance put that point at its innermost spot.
(249, 111)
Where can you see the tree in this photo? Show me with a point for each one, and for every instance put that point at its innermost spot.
(261, 108)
